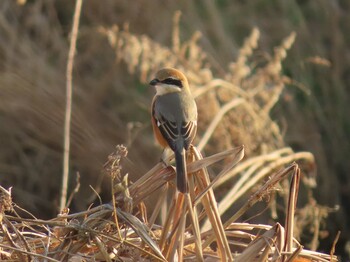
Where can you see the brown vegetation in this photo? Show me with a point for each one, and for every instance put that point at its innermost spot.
(110, 106)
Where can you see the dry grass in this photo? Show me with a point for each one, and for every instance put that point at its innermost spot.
(125, 230)
(234, 109)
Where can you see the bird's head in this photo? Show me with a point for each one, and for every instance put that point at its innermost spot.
(169, 80)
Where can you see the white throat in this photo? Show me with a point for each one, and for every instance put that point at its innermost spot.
(162, 89)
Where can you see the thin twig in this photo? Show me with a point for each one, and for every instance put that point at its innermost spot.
(75, 191)
(102, 247)
(68, 112)
(28, 253)
(333, 246)
(8, 237)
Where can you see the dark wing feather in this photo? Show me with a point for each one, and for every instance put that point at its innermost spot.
(188, 131)
(169, 131)
(167, 115)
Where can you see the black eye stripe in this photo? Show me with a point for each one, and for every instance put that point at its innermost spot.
(172, 81)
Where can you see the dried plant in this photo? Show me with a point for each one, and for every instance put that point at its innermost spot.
(234, 109)
(115, 231)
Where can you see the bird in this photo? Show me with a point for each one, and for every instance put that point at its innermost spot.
(174, 118)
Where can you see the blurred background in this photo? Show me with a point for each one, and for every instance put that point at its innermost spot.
(122, 43)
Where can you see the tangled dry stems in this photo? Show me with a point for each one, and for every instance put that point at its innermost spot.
(124, 230)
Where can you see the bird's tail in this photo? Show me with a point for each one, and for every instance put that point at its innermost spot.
(181, 170)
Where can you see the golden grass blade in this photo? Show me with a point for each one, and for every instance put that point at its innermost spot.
(216, 83)
(280, 240)
(267, 250)
(294, 256)
(167, 225)
(178, 220)
(257, 196)
(181, 236)
(211, 210)
(207, 161)
(114, 202)
(252, 161)
(249, 182)
(158, 205)
(292, 201)
(142, 231)
(310, 256)
(143, 179)
(195, 226)
(237, 155)
(255, 248)
(140, 191)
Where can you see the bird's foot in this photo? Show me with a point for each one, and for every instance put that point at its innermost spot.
(165, 158)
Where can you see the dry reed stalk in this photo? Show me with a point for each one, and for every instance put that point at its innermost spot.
(167, 225)
(290, 213)
(236, 155)
(68, 111)
(195, 227)
(75, 190)
(254, 171)
(333, 246)
(178, 212)
(177, 228)
(257, 196)
(158, 205)
(263, 242)
(254, 163)
(211, 210)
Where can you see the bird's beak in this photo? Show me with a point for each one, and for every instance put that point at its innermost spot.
(154, 82)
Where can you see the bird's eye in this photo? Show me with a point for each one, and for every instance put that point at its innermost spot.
(172, 81)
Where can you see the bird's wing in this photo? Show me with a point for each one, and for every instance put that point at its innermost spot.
(168, 129)
(171, 132)
(188, 132)
(175, 125)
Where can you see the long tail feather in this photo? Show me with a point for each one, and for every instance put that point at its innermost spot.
(181, 171)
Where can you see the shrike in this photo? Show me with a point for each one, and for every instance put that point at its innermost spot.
(174, 118)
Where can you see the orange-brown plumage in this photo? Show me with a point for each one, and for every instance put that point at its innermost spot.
(157, 134)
